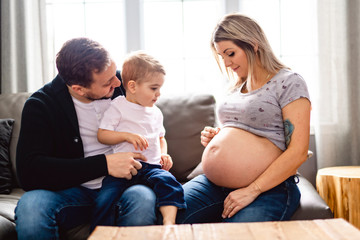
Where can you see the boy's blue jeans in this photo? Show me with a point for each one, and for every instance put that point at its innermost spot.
(40, 214)
(167, 189)
(205, 203)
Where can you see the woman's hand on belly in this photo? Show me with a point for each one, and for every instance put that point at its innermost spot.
(207, 134)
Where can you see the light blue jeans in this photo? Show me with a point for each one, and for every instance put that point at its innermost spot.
(166, 188)
(40, 214)
(205, 203)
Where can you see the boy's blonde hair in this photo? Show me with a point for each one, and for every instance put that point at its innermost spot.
(138, 65)
(246, 34)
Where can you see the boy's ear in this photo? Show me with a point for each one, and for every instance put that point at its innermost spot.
(131, 86)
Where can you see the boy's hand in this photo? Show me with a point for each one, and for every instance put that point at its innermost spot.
(207, 134)
(137, 140)
(166, 161)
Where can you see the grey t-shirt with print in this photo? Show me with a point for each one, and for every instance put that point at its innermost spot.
(260, 111)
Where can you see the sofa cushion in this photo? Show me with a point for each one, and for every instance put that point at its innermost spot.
(8, 203)
(6, 126)
(185, 116)
(11, 105)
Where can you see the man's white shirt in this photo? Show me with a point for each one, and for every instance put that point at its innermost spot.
(89, 117)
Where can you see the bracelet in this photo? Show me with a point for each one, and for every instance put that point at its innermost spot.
(257, 186)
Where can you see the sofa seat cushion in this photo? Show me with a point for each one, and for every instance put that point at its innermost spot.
(8, 203)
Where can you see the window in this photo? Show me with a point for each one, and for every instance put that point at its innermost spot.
(291, 28)
(178, 32)
(101, 20)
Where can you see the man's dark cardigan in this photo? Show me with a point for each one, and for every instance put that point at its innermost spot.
(50, 153)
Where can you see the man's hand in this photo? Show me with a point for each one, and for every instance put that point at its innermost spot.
(166, 162)
(124, 165)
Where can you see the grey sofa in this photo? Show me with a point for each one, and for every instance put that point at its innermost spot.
(184, 118)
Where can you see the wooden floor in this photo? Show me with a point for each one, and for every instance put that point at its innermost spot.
(330, 229)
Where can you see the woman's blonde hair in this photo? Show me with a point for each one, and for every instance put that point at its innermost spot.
(248, 35)
(138, 65)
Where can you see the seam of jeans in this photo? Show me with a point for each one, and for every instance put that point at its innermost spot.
(288, 201)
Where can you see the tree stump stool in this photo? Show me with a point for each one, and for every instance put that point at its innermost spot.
(340, 188)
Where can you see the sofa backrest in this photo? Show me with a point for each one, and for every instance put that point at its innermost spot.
(11, 106)
(184, 118)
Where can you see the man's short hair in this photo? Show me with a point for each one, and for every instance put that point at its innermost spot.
(79, 58)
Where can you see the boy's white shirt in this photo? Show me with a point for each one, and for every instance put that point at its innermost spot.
(125, 116)
(89, 117)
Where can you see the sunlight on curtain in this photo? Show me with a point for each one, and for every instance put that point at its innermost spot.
(337, 125)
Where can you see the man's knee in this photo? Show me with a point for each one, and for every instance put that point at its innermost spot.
(137, 207)
(32, 205)
(31, 213)
(139, 194)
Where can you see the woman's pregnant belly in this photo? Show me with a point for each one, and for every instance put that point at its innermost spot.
(234, 158)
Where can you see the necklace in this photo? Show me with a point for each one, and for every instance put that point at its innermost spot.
(267, 77)
(246, 89)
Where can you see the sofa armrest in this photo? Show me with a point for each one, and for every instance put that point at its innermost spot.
(7, 229)
(312, 206)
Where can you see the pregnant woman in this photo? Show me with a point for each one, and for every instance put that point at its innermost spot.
(250, 162)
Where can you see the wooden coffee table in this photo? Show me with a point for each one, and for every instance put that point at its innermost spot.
(329, 229)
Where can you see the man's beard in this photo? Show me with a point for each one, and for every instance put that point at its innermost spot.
(93, 98)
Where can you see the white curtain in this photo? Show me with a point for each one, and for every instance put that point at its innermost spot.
(338, 116)
(23, 45)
